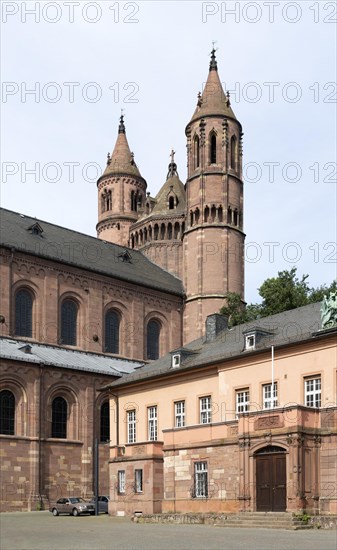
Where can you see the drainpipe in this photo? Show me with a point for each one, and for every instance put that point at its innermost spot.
(11, 312)
(117, 417)
(40, 437)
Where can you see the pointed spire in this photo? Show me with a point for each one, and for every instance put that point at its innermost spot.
(121, 127)
(172, 167)
(213, 66)
(213, 101)
(122, 159)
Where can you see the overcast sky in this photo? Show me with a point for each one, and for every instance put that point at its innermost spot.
(85, 61)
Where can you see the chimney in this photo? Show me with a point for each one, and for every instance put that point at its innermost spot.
(215, 324)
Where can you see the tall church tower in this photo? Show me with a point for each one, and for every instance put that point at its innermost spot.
(121, 193)
(213, 242)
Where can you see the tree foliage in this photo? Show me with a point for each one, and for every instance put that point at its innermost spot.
(281, 293)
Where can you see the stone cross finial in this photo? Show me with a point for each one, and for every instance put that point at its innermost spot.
(172, 155)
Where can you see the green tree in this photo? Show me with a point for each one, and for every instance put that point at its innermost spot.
(284, 292)
(281, 293)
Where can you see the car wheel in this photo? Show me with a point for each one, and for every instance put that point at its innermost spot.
(55, 512)
(75, 512)
(92, 513)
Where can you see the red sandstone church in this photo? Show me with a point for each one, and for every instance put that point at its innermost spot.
(118, 340)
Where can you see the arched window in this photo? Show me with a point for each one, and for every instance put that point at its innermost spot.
(169, 231)
(69, 312)
(220, 214)
(156, 232)
(162, 231)
(105, 422)
(152, 339)
(212, 149)
(23, 313)
(59, 411)
(206, 216)
(196, 152)
(197, 215)
(7, 412)
(233, 153)
(171, 203)
(112, 322)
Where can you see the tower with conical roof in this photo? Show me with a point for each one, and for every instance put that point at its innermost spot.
(121, 192)
(158, 232)
(213, 242)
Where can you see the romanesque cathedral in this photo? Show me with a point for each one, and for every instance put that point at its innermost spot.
(127, 352)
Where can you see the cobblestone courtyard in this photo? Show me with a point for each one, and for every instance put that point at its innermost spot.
(42, 531)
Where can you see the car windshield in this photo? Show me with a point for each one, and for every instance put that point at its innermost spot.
(75, 500)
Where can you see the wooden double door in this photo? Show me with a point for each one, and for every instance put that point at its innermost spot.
(271, 481)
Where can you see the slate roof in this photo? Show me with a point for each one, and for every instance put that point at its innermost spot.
(65, 358)
(83, 251)
(288, 327)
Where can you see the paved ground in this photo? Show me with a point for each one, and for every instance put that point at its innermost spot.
(41, 531)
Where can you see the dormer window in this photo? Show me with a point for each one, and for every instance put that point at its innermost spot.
(250, 341)
(36, 229)
(176, 361)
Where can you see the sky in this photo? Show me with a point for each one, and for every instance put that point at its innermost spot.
(68, 68)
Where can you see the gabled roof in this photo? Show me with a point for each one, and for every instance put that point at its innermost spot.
(175, 186)
(19, 350)
(72, 248)
(285, 328)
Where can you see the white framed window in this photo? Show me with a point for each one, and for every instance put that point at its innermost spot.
(131, 418)
(179, 414)
(138, 481)
(152, 423)
(312, 392)
(121, 481)
(242, 401)
(176, 361)
(200, 480)
(205, 410)
(250, 341)
(268, 402)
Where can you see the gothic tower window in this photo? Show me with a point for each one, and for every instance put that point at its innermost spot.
(197, 215)
(196, 152)
(206, 214)
(7, 412)
(220, 214)
(152, 339)
(23, 313)
(235, 217)
(59, 410)
(171, 203)
(169, 231)
(212, 149)
(105, 422)
(156, 232)
(69, 311)
(233, 152)
(111, 335)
